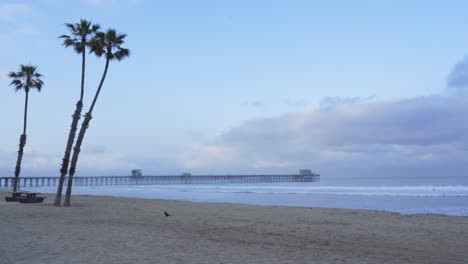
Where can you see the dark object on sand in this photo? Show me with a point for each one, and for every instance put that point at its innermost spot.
(24, 197)
(31, 200)
(12, 199)
(166, 214)
(15, 197)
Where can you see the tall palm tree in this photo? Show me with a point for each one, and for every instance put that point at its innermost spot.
(26, 79)
(81, 33)
(108, 44)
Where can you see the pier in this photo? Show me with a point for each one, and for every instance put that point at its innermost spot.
(185, 178)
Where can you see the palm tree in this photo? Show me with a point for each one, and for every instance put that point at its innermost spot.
(26, 79)
(108, 44)
(80, 34)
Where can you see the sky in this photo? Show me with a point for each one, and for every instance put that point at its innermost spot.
(344, 88)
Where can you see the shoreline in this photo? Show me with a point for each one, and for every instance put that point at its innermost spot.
(105, 229)
(404, 204)
(51, 196)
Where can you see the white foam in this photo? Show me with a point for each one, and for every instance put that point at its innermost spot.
(422, 190)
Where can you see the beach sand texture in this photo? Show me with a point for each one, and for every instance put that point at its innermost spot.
(123, 230)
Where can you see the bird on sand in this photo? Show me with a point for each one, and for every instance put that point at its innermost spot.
(166, 214)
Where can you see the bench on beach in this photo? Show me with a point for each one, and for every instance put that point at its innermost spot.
(25, 197)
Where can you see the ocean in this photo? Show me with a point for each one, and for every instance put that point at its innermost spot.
(417, 195)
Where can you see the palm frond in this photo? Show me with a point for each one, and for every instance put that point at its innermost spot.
(122, 53)
(26, 78)
(95, 27)
(70, 27)
(12, 75)
(80, 33)
(109, 44)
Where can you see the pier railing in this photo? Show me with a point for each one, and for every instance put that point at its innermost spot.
(159, 180)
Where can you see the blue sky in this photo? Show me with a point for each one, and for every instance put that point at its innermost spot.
(345, 88)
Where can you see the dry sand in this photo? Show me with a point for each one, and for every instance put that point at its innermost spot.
(122, 230)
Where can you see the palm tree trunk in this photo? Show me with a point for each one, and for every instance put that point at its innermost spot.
(79, 141)
(83, 63)
(21, 144)
(66, 157)
(72, 133)
(25, 121)
(18, 161)
(74, 161)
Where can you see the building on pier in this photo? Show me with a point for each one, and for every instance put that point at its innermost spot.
(136, 173)
(305, 172)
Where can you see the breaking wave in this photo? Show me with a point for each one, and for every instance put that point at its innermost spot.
(422, 190)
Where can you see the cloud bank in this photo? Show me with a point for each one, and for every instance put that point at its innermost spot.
(345, 135)
(40, 163)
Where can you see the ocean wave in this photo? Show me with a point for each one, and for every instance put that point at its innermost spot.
(422, 190)
(433, 199)
(292, 189)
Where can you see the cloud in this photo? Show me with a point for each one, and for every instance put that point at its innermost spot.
(95, 149)
(93, 162)
(98, 2)
(352, 133)
(332, 101)
(254, 104)
(458, 77)
(104, 162)
(11, 12)
(202, 156)
(16, 20)
(101, 3)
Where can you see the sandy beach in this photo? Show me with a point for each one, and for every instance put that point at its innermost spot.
(123, 230)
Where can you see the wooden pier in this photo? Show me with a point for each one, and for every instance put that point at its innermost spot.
(160, 180)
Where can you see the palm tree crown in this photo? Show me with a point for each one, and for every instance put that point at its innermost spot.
(109, 44)
(26, 78)
(79, 34)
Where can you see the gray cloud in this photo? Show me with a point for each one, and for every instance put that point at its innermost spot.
(418, 121)
(421, 131)
(333, 101)
(256, 104)
(458, 77)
